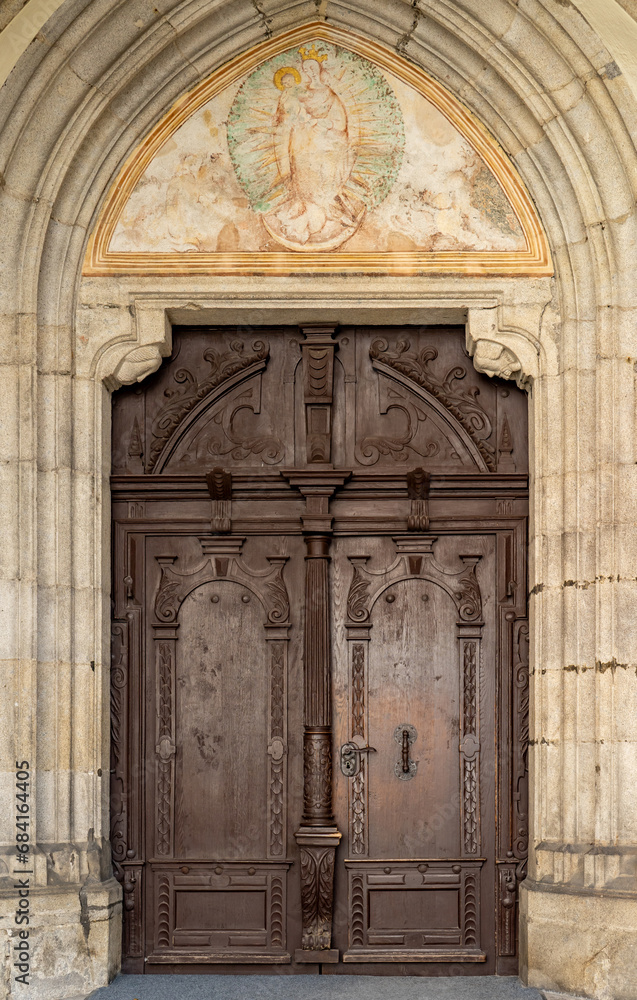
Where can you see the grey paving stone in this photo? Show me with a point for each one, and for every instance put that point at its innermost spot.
(285, 987)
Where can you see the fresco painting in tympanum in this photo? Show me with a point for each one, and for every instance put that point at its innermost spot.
(317, 149)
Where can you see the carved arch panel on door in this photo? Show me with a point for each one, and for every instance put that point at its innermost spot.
(382, 874)
(219, 878)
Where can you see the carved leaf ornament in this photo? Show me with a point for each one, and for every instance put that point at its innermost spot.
(223, 365)
(462, 403)
(366, 585)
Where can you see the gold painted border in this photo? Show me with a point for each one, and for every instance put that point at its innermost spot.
(535, 260)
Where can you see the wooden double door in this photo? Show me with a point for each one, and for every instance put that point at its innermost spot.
(320, 655)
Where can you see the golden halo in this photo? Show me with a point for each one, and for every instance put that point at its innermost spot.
(284, 71)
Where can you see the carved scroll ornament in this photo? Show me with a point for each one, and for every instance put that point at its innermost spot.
(268, 584)
(224, 364)
(415, 559)
(460, 402)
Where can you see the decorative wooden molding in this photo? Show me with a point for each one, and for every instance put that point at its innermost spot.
(223, 562)
(456, 941)
(277, 748)
(470, 744)
(415, 558)
(318, 379)
(174, 943)
(534, 260)
(418, 493)
(219, 483)
(165, 747)
(507, 896)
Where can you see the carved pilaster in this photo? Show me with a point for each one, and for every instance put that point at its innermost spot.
(317, 836)
(318, 380)
(165, 747)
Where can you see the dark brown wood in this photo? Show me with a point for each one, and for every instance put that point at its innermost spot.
(320, 542)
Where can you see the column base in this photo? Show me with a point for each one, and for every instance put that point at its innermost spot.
(75, 934)
(577, 941)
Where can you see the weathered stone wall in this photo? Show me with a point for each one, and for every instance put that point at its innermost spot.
(89, 87)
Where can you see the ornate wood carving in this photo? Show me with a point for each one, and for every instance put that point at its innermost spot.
(418, 493)
(358, 689)
(224, 364)
(447, 935)
(165, 748)
(400, 447)
(222, 437)
(505, 447)
(277, 912)
(119, 734)
(358, 596)
(424, 411)
(468, 594)
(163, 912)
(470, 746)
(461, 403)
(261, 888)
(358, 790)
(268, 584)
(317, 882)
(277, 747)
(219, 484)
(415, 557)
(471, 909)
(318, 380)
(317, 776)
(521, 745)
(507, 891)
(357, 913)
(133, 910)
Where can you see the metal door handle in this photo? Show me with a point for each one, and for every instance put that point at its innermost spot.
(405, 736)
(351, 758)
(405, 751)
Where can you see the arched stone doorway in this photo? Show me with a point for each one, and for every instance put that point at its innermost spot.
(77, 105)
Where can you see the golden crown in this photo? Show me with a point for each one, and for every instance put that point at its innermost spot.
(312, 53)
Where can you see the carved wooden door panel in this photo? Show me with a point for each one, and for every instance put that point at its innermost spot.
(320, 669)
(417, 677)
(219, 637)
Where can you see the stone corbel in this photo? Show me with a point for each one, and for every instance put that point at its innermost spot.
(509, 354)
(126, 362)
